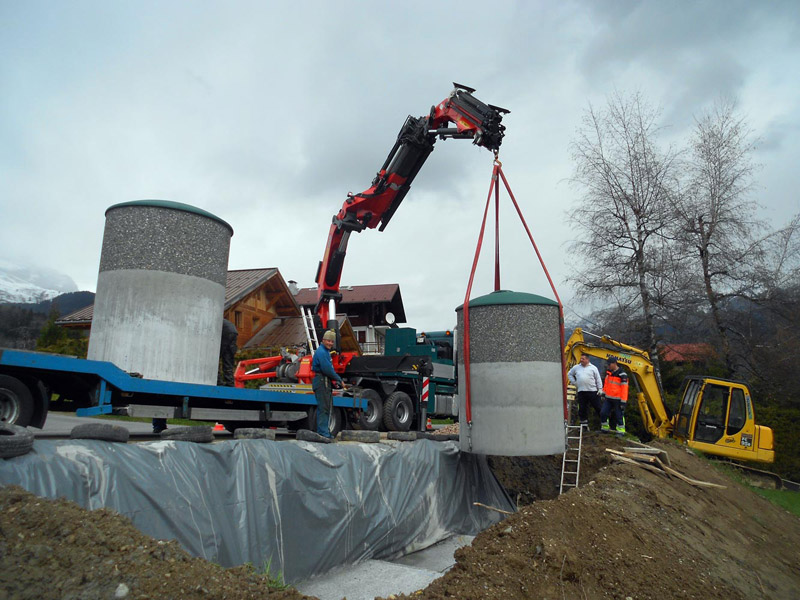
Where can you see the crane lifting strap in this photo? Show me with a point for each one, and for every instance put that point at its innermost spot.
(497, 175)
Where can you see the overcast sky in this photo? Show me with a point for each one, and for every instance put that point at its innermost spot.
(267, 113)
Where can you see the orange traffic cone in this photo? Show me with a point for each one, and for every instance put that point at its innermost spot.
(429, 426)
(219, 427)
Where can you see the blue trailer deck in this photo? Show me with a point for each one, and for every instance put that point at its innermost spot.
(28, 379)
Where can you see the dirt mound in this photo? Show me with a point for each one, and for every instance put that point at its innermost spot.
(625, 533)
(56, 549)
(630, 533)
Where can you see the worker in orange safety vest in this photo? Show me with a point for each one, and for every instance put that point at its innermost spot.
(615, 390)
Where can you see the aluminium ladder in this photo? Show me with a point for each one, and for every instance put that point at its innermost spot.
(571, 464)
(311, 332)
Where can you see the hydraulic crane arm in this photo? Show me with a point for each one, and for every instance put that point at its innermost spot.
(460, 115)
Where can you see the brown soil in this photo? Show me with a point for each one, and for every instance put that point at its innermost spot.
(625, 533)
(56, 549)
(628, 533)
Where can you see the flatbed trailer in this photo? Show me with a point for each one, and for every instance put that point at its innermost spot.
(28, 381)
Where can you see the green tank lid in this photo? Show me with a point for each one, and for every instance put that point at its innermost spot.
(509, 297)
(173, 206)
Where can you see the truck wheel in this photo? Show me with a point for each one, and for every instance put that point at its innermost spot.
(16, 402)
(14, 440)
(100, 431)
(398, 412)
(371, 418)
(335, 422)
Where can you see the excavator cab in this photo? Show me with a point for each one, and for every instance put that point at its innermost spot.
(716, 416)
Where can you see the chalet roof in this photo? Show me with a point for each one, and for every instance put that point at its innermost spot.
(242, 282)
(239, 283)
(80, 316)
(290, 331)
(387, 293)
(686, 352)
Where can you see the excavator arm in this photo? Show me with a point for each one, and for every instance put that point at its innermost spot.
(460, 115)
(649, 398)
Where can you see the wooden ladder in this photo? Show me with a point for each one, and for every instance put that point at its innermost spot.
(571, 463)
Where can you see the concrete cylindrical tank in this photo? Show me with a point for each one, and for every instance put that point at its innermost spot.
(516, 389)
(161, 291)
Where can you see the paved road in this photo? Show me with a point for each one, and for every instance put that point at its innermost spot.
(60, 424)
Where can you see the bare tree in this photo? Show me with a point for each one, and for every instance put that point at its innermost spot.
(768, 349)
(717, 218)
(624, 214)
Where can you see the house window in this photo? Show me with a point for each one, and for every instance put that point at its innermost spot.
(256, 320)
(237, 319)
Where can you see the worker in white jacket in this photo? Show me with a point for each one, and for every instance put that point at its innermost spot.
(586, 378)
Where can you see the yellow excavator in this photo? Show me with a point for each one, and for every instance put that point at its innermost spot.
(715, 416)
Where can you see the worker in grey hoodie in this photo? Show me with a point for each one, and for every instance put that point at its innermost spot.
(586, 378)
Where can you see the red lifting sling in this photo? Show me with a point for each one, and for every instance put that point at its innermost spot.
(498, 172)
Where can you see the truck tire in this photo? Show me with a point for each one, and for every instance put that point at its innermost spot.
(200, 433)
(371, 419)
(14, 440)
(398, 412)
(16, 402)
(100, 431)
(336, 421)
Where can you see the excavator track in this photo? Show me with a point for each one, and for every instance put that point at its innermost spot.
(763, 479)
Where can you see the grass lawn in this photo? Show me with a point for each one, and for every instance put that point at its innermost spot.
(173, 422)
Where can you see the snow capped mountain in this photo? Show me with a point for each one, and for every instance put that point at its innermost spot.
(32, 284)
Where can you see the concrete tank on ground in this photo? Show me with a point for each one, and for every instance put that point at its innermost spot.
(516, 378)
(161, 291)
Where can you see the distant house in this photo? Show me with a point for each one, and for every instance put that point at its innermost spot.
(687, 353)
(366, 307)
(260, 304)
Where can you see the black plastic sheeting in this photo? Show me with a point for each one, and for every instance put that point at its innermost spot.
(302, 508)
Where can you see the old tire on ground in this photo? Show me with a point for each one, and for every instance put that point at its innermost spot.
(14, 440)
(100, 431)
(304, 435)
(365, 437)
(398, 412)
(335, 423)
(402, 436)
(201, 434)
(436, 437)
(16, 402)
(371, 419)
(254, 433)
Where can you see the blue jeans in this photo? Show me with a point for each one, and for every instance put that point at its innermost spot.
(324, 395)
(610, 409)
